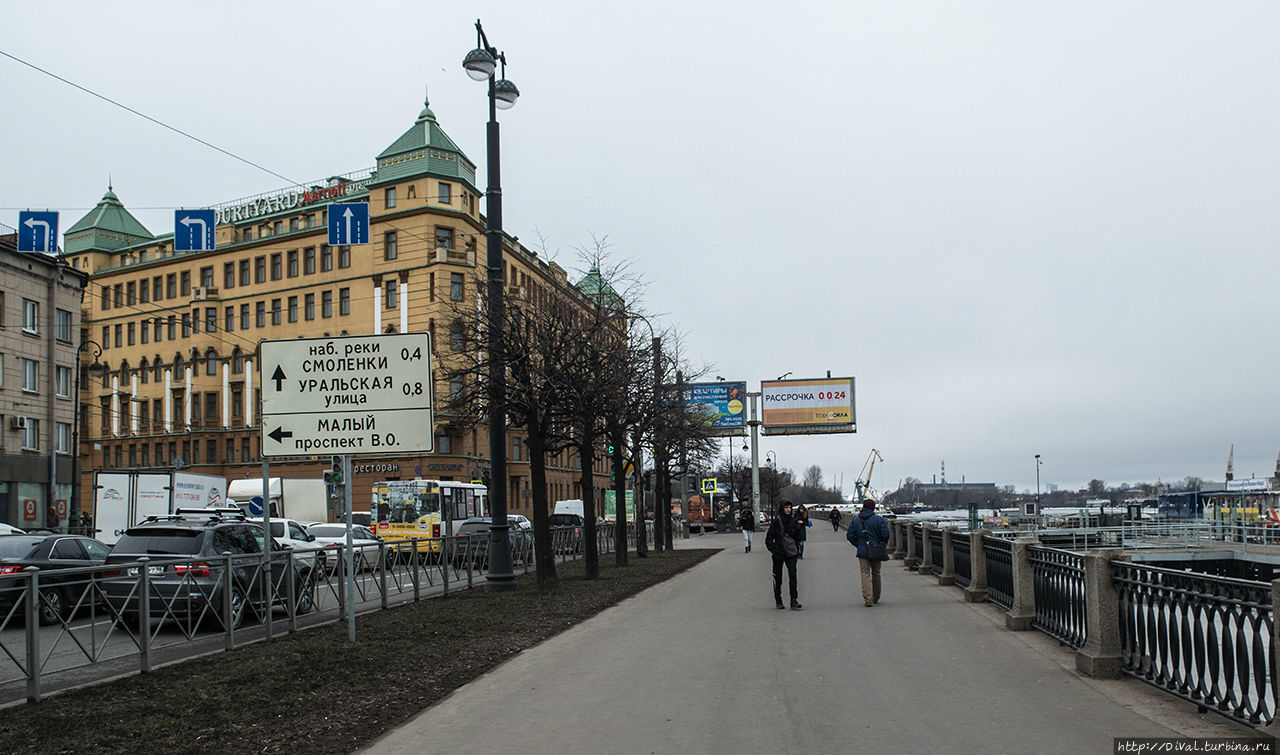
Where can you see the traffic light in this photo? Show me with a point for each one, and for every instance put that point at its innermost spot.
(334, 476)
(609, 449)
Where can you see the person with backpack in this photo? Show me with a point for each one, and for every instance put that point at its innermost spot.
(869, 533)
(802, 516)
(835, 519)
(782, 541)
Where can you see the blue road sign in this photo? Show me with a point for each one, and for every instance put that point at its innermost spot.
(38, 232)
(192, 230)
(255, 506)
(348, 223)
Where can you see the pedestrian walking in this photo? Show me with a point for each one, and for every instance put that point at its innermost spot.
(869, 533)
(835, 519)
(51, 518)
(86, 523)
(802, 515)
(782, 540)
(747, 520)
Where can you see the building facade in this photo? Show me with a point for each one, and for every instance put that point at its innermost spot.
(40, 300)
(179, 331)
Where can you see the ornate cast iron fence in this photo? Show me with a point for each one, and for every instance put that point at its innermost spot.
(1059, 591)
(999, 555)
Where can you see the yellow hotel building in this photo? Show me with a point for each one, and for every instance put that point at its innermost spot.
(179, 331)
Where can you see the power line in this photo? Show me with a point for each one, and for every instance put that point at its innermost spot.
(144, 115)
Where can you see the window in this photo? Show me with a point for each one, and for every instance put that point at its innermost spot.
(237, 397)
(391, 288)
(444, 237)
(389, 197)
(309, 307)
(211, 449)
(62, 381)
(206, 276)
(293, 224)
(30, 316)
(244, 316)
(158, 325)
(276, 268)
(309, 261)
(195, 319)
(244, 449)
(244, 272)
(237, 362)
(444, 444)
(211, 319)
(455, 387)
(326, 304)
(31, 435)
(229, 315)
(106, 336)
(277, 227)
(455, 336)
(275, 311)
(184, 284)
(117, 298)
(186, 325)
(157, 293)
(326, 258)
(259, 269)
(144, 291)
(344, 301)
(344, 256)
(195, 452)
(119, 334)
(515, 449)
(62, 442)
(229, 275)
(293, 263)
(131, 293)
(170, 329)
(455, 286)
(211, 406)
(105, 302)
(171, 286)
(146, 457)
(260, 314)
(145, 331)
(247, 233)
(62, 325)
(389, 245)
(446, 192)
(293, 309)
(131, 333)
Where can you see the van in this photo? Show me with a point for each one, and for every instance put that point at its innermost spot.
(571, 506)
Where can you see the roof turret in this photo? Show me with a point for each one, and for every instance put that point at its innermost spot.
(107, 227)
(425, 149)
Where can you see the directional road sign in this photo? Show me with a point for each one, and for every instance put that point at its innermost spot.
(38, 232)
(192, 230)
(348, 223)
(354, 395)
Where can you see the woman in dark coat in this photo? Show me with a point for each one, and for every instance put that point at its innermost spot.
(784, 523)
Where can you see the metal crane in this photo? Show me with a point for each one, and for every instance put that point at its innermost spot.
(863, 483)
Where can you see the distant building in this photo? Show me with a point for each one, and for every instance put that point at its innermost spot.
(39, 335)
(985, 488)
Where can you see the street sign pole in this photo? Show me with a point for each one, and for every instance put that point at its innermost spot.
(268, 583)
(755, 456)
(351, 556)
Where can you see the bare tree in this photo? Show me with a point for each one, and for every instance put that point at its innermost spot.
(813, 477)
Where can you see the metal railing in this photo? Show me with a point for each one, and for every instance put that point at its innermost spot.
(917, 539)
(1059, 594)
(961, 549)
(1206, 639)
(935, 551)
(999, 555)
(127, 617)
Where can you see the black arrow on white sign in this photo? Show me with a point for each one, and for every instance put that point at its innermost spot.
(278, 376)
(279, 434)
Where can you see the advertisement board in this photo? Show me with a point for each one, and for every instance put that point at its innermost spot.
(809, 406)
(722, 403)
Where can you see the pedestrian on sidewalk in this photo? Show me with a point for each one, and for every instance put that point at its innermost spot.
(782, 540)
(869, 533)
(802, 515)
(747, 520)
(835, 519)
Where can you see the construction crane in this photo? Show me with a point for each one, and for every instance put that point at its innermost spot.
(863, 483)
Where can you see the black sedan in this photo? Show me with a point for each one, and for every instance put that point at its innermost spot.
(52, 554)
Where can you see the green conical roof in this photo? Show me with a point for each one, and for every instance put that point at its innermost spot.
(107, 227)
(596, 288)
(425, 148)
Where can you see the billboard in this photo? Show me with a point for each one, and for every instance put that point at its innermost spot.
(805, 407)
(721, 402)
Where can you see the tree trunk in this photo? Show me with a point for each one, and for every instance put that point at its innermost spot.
(590, 553)
(642, 520)
(544, 557)
(616, 439)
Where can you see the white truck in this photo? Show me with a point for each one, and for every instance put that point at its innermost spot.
(303, 499)
(123, 499)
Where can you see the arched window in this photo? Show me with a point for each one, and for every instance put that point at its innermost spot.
(211, 362)
(237, 361)
(179, 368)
(143, 372)
(158, 366)
(124, 373)
(106, 375)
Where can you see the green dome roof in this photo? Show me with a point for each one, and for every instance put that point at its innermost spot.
(107, 227)
(425, 148)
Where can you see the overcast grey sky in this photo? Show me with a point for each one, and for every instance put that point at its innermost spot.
(1023, 227)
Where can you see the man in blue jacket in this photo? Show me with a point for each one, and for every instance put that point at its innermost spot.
(865, 528)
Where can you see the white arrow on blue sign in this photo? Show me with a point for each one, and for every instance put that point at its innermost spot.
(192, 230)
(38, 232)
(348, 223)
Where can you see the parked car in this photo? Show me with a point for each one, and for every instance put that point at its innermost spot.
(9, 529)
(187, 573)
(294, 534)
(566, 533)
(473, 542)
(60, 593)
(332, 536)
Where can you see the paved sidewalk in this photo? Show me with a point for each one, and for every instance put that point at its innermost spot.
(705, 664)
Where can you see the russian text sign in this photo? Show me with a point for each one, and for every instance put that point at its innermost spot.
(820, 405)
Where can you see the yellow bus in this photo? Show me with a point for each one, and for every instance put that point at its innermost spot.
(406, 509)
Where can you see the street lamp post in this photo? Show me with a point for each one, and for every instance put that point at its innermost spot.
(1037, 519)
(481, 64)
(96, 368)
